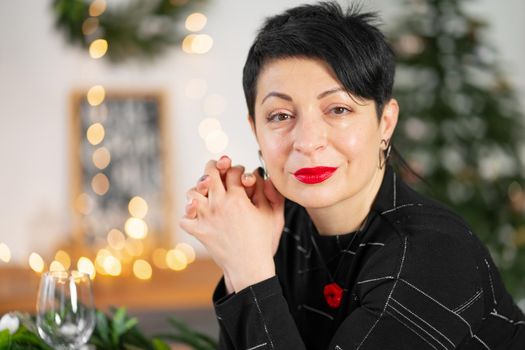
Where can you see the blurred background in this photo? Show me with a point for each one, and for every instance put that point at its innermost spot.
(110, 109)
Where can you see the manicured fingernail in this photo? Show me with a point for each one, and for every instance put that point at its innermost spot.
(203, 177)
(247, 175)
(260, 170)
(223, 157)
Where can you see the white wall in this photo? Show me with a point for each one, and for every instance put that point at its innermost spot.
(38, 71)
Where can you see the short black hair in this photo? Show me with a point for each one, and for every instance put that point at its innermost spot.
(349, 42)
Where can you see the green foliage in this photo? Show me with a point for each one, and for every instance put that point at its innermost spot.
(116, 331)
(183, 334)
(461, 126)
(134, 29)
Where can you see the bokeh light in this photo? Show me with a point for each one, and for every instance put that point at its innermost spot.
(56, 266)
(112, 266)
(100, 184)
(90, 26)
(95, 134)
(36, 262)
(207, 125)
(202, 43)
(97, 8)
(216, 141)
(159, 258)
(142, 269)
(86, 266)
(96, 95)
(195, 22)
(116, 239)
(176, 260)
(5, 253)
(187, 250)
(101, 158)
(136, 228)
(84, 204)
(138, 207)
(63, 258)
(98, 48)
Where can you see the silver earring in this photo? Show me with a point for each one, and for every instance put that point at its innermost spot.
(262, 168)
(386, 153)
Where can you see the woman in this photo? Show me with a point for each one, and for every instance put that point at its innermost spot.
(333, 250)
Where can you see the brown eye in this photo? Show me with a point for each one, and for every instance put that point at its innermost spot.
(279, 117)
(340, 110)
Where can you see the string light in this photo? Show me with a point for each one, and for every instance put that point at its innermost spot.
(176, 260)
(90, 26)
(138, 207)
(63, 258)
(100, 184)
(195, 22)
(187, 42)
(101, 158)
(84, 204)
(112, 266)
(102, 254)
(197, 43)
(5, 253)
(116, 239)
(201, 44)
(216, 141)
(56, 266)
(96, 95)
(136, 228)
(142, 269)
(97, 8)
(98, 48)
(187, 250)
(86, 266)
(159, 258)
(95, 134)
(208, 125)
(36, 262)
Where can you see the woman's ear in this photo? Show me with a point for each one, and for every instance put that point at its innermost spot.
(389, 119)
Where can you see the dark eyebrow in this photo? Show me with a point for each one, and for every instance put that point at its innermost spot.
(277, 94)
(289, 98)
(331, 91)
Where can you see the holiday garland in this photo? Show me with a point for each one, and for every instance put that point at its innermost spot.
(133, 29)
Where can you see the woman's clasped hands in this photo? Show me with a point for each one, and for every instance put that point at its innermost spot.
(239, 218)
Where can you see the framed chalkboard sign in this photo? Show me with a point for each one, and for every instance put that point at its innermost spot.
(120, 171)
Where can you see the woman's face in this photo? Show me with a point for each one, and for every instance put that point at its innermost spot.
(320, 145)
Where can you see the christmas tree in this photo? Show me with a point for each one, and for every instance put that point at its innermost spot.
(461, 127)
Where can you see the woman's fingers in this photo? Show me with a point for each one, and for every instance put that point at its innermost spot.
(223, 165)
(233, 177)
(248, 181)
(215, 186)
(194, 200)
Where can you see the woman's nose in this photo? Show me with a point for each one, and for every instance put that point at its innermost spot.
(310, 135)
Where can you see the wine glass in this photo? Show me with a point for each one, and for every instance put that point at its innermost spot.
(65, 313)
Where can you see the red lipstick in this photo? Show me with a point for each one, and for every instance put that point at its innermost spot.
(314, 175)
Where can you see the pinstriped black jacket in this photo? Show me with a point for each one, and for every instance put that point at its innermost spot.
(415, 277)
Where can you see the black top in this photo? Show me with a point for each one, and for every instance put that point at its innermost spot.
(415, 277)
